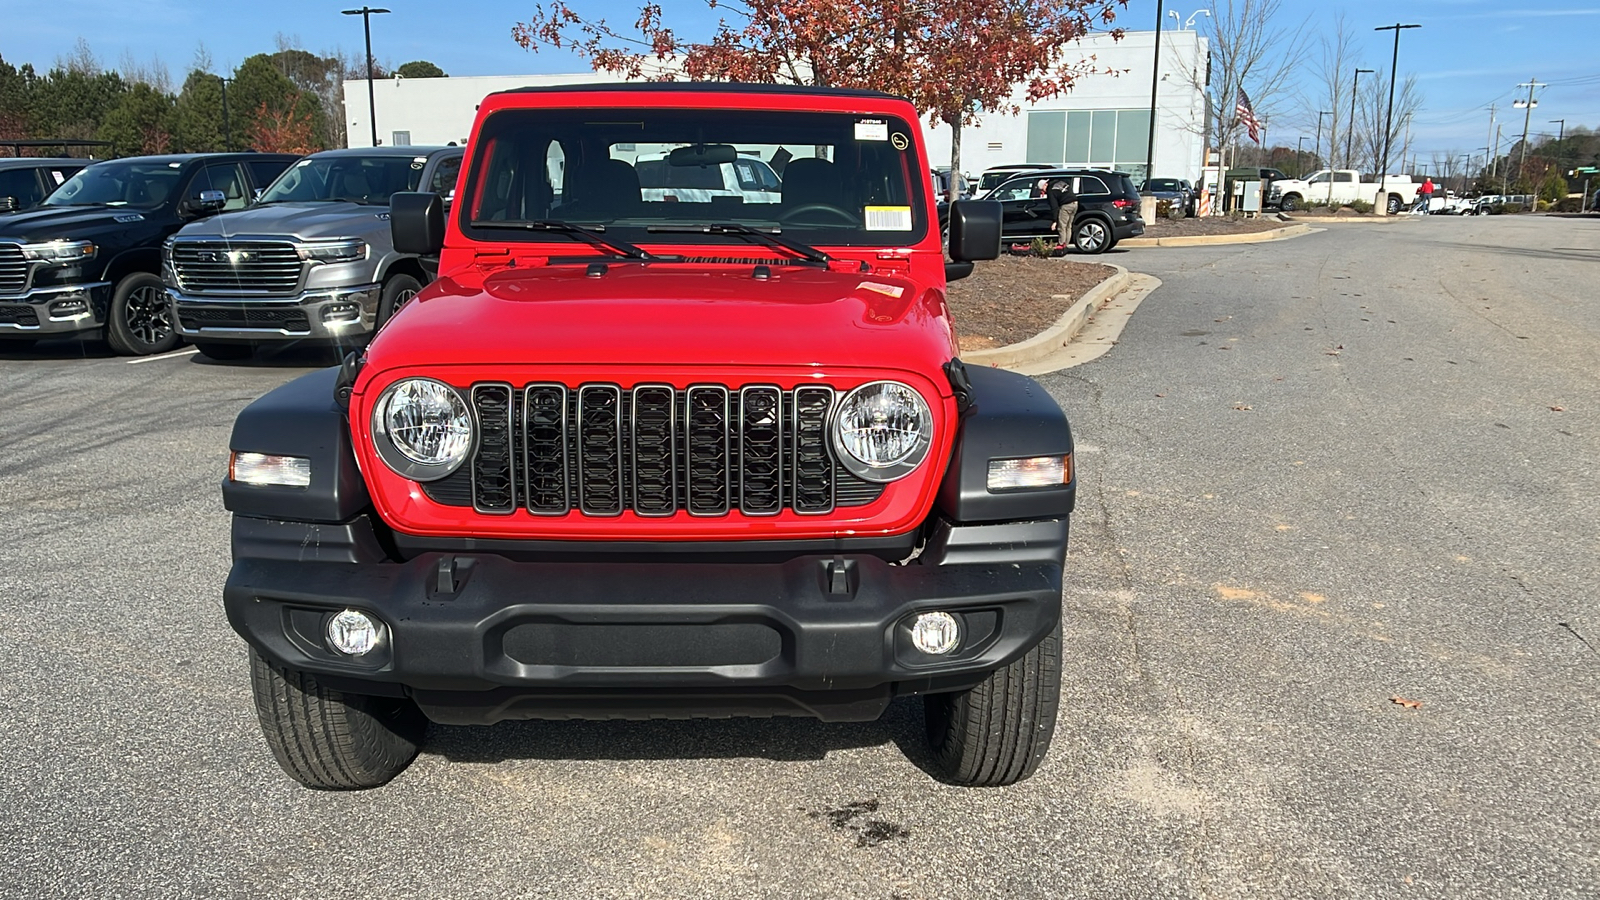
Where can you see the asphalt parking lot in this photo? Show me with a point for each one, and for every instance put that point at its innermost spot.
(1331, 631)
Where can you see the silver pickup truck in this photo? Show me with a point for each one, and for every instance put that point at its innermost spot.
(311, 260)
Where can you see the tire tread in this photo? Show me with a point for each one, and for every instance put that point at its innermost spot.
(998, 732)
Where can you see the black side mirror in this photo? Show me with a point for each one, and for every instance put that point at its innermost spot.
(8, 204)
(416, 222)
(208, 202)
(974, 235)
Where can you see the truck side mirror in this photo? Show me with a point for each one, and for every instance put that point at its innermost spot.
(8, 204)
(209, 201)
(974, 235)
(416, 222)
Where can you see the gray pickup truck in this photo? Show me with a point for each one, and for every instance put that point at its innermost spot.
(311, 261)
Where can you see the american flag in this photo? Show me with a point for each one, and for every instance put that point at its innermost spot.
(1248, 116)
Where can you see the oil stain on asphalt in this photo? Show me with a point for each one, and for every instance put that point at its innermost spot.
(869, 832)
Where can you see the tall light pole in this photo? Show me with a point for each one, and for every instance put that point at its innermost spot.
(366, 13)
(1155, 83)
(1299, 162)
(227, 131)
(1388, 120)
(1350, 136)
(1316, 150)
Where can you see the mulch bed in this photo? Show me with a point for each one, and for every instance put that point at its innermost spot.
(1206, 225)
(1011, 299)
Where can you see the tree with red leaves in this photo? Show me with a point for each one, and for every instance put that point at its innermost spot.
(954, 59)
(286, 130)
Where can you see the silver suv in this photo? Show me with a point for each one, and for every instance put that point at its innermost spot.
(311, 260)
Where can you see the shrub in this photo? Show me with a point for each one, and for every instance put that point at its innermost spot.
(1041, 248)
(1360, 206)
(1166, 209)
(1236, 214)
(1542, 206)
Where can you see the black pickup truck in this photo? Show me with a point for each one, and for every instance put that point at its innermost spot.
(88, 260)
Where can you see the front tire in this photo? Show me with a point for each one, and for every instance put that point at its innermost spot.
(1395, 204)
(1290, 203)
(397, 292)
(1091, 236)
(330, 740)
(140, 319)
(998, 732)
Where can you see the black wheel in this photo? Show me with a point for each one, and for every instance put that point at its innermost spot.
(1395, 204)
(397, 292)
(328, 739)
(225, 352)
(998, 732)
(1290, 202)
(140, 319)
(1091, 236)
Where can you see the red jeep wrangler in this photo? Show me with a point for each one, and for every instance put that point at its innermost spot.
(655, 446)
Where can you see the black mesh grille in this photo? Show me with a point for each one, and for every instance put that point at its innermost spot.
(244, 315)
(13, 269)
(18, 314)
(654, 450)
(493, 475)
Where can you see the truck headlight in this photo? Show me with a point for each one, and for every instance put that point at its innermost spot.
(422, 428)
(59, 253)
(882, 431)
(351, 250)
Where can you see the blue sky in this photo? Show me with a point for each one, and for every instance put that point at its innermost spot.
(1468, 53)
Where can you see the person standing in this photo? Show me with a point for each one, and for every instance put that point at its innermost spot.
(1424, 202)
(1063, 205)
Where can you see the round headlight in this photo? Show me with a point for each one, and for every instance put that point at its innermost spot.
(422, 428)
(882, 431)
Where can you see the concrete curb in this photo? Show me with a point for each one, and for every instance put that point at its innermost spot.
(1056, 336)
(1207, 240)
(1354, 220)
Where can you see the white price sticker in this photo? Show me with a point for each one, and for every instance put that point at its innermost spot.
(872, 130)
(888, 218)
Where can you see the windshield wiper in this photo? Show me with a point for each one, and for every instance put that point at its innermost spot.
(589, 235)
(804, 251)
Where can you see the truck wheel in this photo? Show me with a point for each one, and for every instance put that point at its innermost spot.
(1290, 202)
(140, 318)
(225, 352)
(998, 732)
(397, 292)
(1395, 204)
(330, 740)
(1091, 236)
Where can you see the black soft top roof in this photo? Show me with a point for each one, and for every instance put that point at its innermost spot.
(701, 87)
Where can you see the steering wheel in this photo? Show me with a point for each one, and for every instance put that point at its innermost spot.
(842, 215)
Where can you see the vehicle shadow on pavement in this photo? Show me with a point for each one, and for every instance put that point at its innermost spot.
(289, 356)
(780, 739)
(66, 348)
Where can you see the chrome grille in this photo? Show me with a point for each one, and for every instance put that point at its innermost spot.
(236, 267)
(13, 270)
(653, 450)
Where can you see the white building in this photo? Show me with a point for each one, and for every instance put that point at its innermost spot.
(1102, 122)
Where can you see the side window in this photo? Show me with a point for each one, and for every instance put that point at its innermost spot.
(224, 177)
(1343, 178)
(1016, 190)
(1090, 186)
(22, 185)
(444, 177)
(747, 176)
(1319, 178)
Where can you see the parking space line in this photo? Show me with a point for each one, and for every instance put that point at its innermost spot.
(173, 355)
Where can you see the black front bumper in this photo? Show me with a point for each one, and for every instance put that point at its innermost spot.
(480, 637)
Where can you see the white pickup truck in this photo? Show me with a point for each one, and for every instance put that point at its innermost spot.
(1335, 187)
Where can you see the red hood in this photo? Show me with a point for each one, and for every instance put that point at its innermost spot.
(670, 314)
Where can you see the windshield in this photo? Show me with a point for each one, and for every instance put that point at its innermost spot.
(138, 185)
(1162, 184)
(992, 180)
(357, 179)
(643, 175)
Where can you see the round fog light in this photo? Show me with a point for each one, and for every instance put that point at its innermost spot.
(352, 633)
(935, 633)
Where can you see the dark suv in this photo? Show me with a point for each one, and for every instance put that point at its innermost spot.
(24, 183)
(88, 260)
(1108, 208)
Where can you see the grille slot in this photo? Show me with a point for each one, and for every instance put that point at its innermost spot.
(655, 450)
(234, 267)
(19, 314)
(13, 270)
(291, 318)
(494, 482)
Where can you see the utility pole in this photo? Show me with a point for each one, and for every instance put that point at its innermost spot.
(1155, 84)
(1316, 150)
(227, 132)
(1299, 163)
(1388, 121)
(1527, 117)
(1491, 136)
(1350, 135)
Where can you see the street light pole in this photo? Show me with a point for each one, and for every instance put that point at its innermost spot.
(1527, 117)
(1350, 135)
(1299, 163)
(1155, 84)
(1388, 121)
(366, 13)
(227, 131)
(1316, 150)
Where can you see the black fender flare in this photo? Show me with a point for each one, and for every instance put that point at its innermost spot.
(1006, 416)
(301, 418)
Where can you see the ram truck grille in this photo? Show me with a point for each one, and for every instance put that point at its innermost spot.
(13, 270)
(654, 450)
(269, 268)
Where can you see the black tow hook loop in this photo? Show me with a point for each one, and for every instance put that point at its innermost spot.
(447, 575)
(841, 578)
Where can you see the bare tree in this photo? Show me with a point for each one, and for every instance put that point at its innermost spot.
(1253, 49)
(81, 61)
(153, 72)
(1372, 109)
(1329, 87)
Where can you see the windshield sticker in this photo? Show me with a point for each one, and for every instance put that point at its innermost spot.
(56, 174)
(899, 141)
(888, 290)
(888, 218)
(872, 130)
(303, 162)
